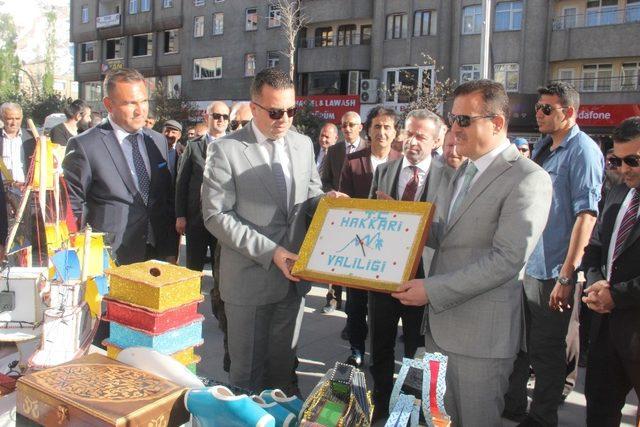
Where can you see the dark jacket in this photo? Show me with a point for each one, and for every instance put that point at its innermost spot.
(189, 182)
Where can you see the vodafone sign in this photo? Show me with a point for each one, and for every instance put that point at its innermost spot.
(606, 115)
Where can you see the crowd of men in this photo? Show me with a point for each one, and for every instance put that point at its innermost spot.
(498, 283)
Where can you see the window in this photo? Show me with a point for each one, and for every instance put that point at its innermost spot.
(145, 5)
(469, 72)
(87, 52)
(509, 16)
(397, 26)
(566, 75)
(84, 13)
(167, 4)
(568, 18)
(472, 19)
(251, 21)
(207, 68)
(198, 3)
(273, 59)
(404, 84)
(142, 44)
(601, 12)
(324, 37)
(632, 13)
(198, 26)
(113, 48)
(92, 91)
(171, 41)
(365, 34)
(218, 23)
(346, 35)
(596, 77)
(424, 23)
(218, 1)
(133, 7)
(274, 16)
(508, 75)
(630, 76)
(250, 65)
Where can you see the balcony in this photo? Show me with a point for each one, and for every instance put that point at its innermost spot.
(337, 10)
(598, 18)
(606, 84)
(344, 39)
(107, 21)
(334, 53)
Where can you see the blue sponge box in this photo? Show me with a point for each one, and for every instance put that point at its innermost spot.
(168, 342)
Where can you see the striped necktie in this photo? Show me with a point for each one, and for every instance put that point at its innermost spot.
(628, 221)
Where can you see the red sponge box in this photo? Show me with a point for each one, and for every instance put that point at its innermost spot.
(150, 321)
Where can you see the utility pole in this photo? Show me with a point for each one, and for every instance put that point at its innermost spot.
(485, 37)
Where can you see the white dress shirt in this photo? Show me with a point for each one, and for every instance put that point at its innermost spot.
(375, 162)
(406, 175)
(353, 147)
(283, 152)
(616, 227)
(12, 155)
(211, 138)
(127, 149)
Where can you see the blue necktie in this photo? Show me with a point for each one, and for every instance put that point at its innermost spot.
(144, 183)
(469, 173)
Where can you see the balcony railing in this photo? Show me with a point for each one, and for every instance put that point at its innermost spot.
(105, 21)
(348, 39)
(605, 84)
(597, 18)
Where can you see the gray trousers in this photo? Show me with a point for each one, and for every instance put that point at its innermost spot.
(546, 352)
(475, 387)
(262, 343)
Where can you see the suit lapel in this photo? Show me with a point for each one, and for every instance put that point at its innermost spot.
(634, 235)
(394, 176)
(433, 180)
(155, 159)
(117, 156)
(297, 166)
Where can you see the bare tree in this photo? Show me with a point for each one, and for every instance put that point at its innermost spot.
(292, 19)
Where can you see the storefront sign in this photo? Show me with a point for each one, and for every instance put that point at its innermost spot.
(592, 115)
(331, 108)
(108, 20)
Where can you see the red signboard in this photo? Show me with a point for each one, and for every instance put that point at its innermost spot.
(606, 115)
(330, 108)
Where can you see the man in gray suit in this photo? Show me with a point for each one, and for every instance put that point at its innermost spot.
(497, 207)
(258, 187)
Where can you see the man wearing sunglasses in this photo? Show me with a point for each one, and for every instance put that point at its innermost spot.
(494, 214)
(240, 115)
(259, 186)
(613, 287)
(523, 146)
(576, 165)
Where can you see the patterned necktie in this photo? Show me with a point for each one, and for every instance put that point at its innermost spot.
(409, 193)
(469, 173)
(628, 221)
(350, 148)
(278, 172)
(144, 183)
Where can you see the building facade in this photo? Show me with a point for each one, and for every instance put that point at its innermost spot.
(210, 49)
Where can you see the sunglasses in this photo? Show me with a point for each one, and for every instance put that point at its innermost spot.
(546, 108)
(465, 121)
(217, 116)
(277, 114)
(631, 161)
(236, 123)
(349, 125)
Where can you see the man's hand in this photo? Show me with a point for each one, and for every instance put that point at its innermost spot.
(283, 259)
(181, 224)
(599, 297)
(381, 195)
(560, 298)
(333, 194)
(412, 293)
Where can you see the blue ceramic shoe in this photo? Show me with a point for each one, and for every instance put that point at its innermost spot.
(218, 407)
(292, 404)
(283, 417)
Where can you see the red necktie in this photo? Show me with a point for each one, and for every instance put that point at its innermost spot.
(410, 190)
(628, 221)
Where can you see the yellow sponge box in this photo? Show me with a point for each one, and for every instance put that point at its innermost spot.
(154, 285)
(186, 356)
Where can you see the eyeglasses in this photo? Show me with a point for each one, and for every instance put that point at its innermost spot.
(277, 114)
(236, 123)
(217, 116)
(546, 108)
(631, 161)
(465, 121)
(349, 125)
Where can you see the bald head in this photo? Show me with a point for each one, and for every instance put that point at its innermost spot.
(217, 118)
(328, 136)
(240, 115)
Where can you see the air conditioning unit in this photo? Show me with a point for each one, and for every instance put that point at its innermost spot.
(368, 91)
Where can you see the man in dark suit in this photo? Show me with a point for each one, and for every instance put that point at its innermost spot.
(328, 137)
(351, 125)
(117, 175)
(613, 293)
(415, 177)
(16, 145)
(357, 174)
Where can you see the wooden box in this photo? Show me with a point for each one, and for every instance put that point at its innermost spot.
(154, 285)
(98, 391)
(150, 321)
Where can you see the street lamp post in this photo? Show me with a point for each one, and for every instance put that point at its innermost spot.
(485, 37)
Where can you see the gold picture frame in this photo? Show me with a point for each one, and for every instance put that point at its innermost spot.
(363, 243)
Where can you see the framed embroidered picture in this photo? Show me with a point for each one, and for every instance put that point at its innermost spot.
(368, 244)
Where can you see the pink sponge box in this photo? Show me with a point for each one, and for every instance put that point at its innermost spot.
(151, 321)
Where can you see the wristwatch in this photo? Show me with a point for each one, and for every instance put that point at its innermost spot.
(565, 281)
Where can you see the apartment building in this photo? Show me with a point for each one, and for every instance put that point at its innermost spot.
(210, 49)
